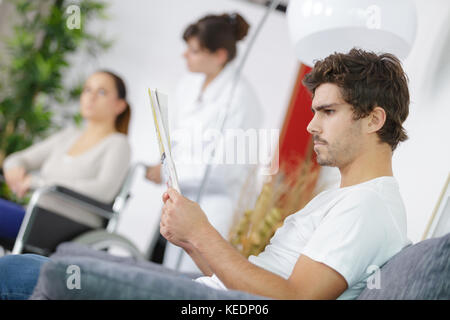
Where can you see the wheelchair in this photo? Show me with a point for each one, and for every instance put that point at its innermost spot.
(42, 230)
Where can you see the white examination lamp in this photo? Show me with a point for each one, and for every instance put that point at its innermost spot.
(319, 28)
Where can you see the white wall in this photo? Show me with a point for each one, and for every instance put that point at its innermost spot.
(148, 51)
(422, 163)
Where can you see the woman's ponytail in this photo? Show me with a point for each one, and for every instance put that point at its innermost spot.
(122, 120)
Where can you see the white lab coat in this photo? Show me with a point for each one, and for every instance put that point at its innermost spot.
(197, 114)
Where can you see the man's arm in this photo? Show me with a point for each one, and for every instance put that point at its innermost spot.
(194, 254)
(183, 220)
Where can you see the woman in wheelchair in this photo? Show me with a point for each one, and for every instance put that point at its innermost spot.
(92, 160)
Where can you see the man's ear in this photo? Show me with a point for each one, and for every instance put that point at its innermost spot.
(377, 118)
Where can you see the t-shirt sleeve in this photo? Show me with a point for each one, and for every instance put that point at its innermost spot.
(351, 236)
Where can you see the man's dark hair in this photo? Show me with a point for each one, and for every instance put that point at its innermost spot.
(367, 80)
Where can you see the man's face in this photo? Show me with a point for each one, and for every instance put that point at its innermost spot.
(338, 139)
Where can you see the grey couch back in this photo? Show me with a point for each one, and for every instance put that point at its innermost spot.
(420, 271)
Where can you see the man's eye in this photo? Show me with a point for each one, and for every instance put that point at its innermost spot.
(328, 111)
(102, 92)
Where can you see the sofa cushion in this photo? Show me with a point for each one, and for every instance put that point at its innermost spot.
(420, 271)
(104, 276)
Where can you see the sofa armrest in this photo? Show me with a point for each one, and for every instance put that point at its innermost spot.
(418, 272)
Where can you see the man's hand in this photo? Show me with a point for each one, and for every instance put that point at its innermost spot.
(182, 219)
(153, 173)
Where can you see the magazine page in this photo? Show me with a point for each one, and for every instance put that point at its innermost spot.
(159, 105)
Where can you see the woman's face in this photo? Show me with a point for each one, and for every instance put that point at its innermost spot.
(202, 60)
(99, 99)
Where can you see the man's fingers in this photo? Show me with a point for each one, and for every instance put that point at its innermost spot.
(165, 197)
(164, 212)
(173, 194)
(170, 194)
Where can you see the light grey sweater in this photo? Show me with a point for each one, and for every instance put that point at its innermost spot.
(98, 172)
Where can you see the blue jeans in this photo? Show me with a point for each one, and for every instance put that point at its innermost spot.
(19, 275)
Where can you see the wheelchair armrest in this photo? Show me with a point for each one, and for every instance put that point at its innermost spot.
(83, 198)
(101, 209)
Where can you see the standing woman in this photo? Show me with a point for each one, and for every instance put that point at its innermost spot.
(92, 161)
(200, 98)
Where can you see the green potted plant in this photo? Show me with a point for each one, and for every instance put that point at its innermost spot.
(33, 65)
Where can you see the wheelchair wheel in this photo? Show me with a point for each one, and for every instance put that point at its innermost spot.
(103, 240)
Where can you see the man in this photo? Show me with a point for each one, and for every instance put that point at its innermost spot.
(326, 250)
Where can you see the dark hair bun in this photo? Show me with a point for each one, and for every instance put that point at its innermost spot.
(240, 26)
(219, 31)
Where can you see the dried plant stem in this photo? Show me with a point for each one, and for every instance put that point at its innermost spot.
(280, 197)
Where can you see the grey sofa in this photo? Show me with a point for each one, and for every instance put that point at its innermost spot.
(419, 271)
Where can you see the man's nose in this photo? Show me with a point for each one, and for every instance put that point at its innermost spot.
(313, 126)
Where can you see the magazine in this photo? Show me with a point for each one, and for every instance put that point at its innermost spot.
(159, 106)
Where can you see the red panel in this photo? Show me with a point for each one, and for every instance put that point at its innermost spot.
(294, 138)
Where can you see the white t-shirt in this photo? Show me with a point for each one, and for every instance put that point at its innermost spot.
(353, 230)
